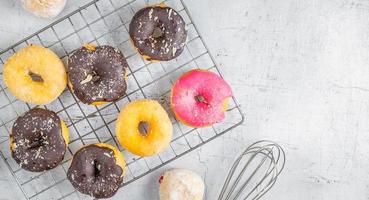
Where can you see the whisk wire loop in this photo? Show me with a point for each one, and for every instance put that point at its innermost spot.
(258, 168)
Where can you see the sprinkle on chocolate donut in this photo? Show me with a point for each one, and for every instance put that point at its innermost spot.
(158, 33)
(97, 74)
(95, 171)
(37, 143)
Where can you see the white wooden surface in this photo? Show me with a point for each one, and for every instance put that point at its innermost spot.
(300, 70)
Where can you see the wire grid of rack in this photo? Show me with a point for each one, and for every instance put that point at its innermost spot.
(106, 22)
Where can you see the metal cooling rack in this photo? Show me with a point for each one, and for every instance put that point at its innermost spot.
(106, 22)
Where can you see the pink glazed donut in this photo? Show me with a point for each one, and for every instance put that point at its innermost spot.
(200, 98)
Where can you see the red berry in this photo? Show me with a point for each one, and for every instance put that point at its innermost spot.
(161, 179)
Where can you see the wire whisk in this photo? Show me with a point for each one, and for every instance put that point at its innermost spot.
(254, 172)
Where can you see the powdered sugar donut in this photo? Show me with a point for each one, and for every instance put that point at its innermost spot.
(181, 184)
(44, 8)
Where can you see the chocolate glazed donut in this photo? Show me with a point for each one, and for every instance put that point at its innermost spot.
(158, 32)
(97, 74)
(95, 171)
(37, 143)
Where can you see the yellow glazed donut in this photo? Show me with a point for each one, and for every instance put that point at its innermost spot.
(35, 75)
(159, 133)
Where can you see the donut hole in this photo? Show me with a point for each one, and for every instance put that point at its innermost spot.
(97, 168)
(37, 143)
(201, 99)
(91, 77)
(158, 32)
(95, 76)
(35, 77)
(143, 127)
